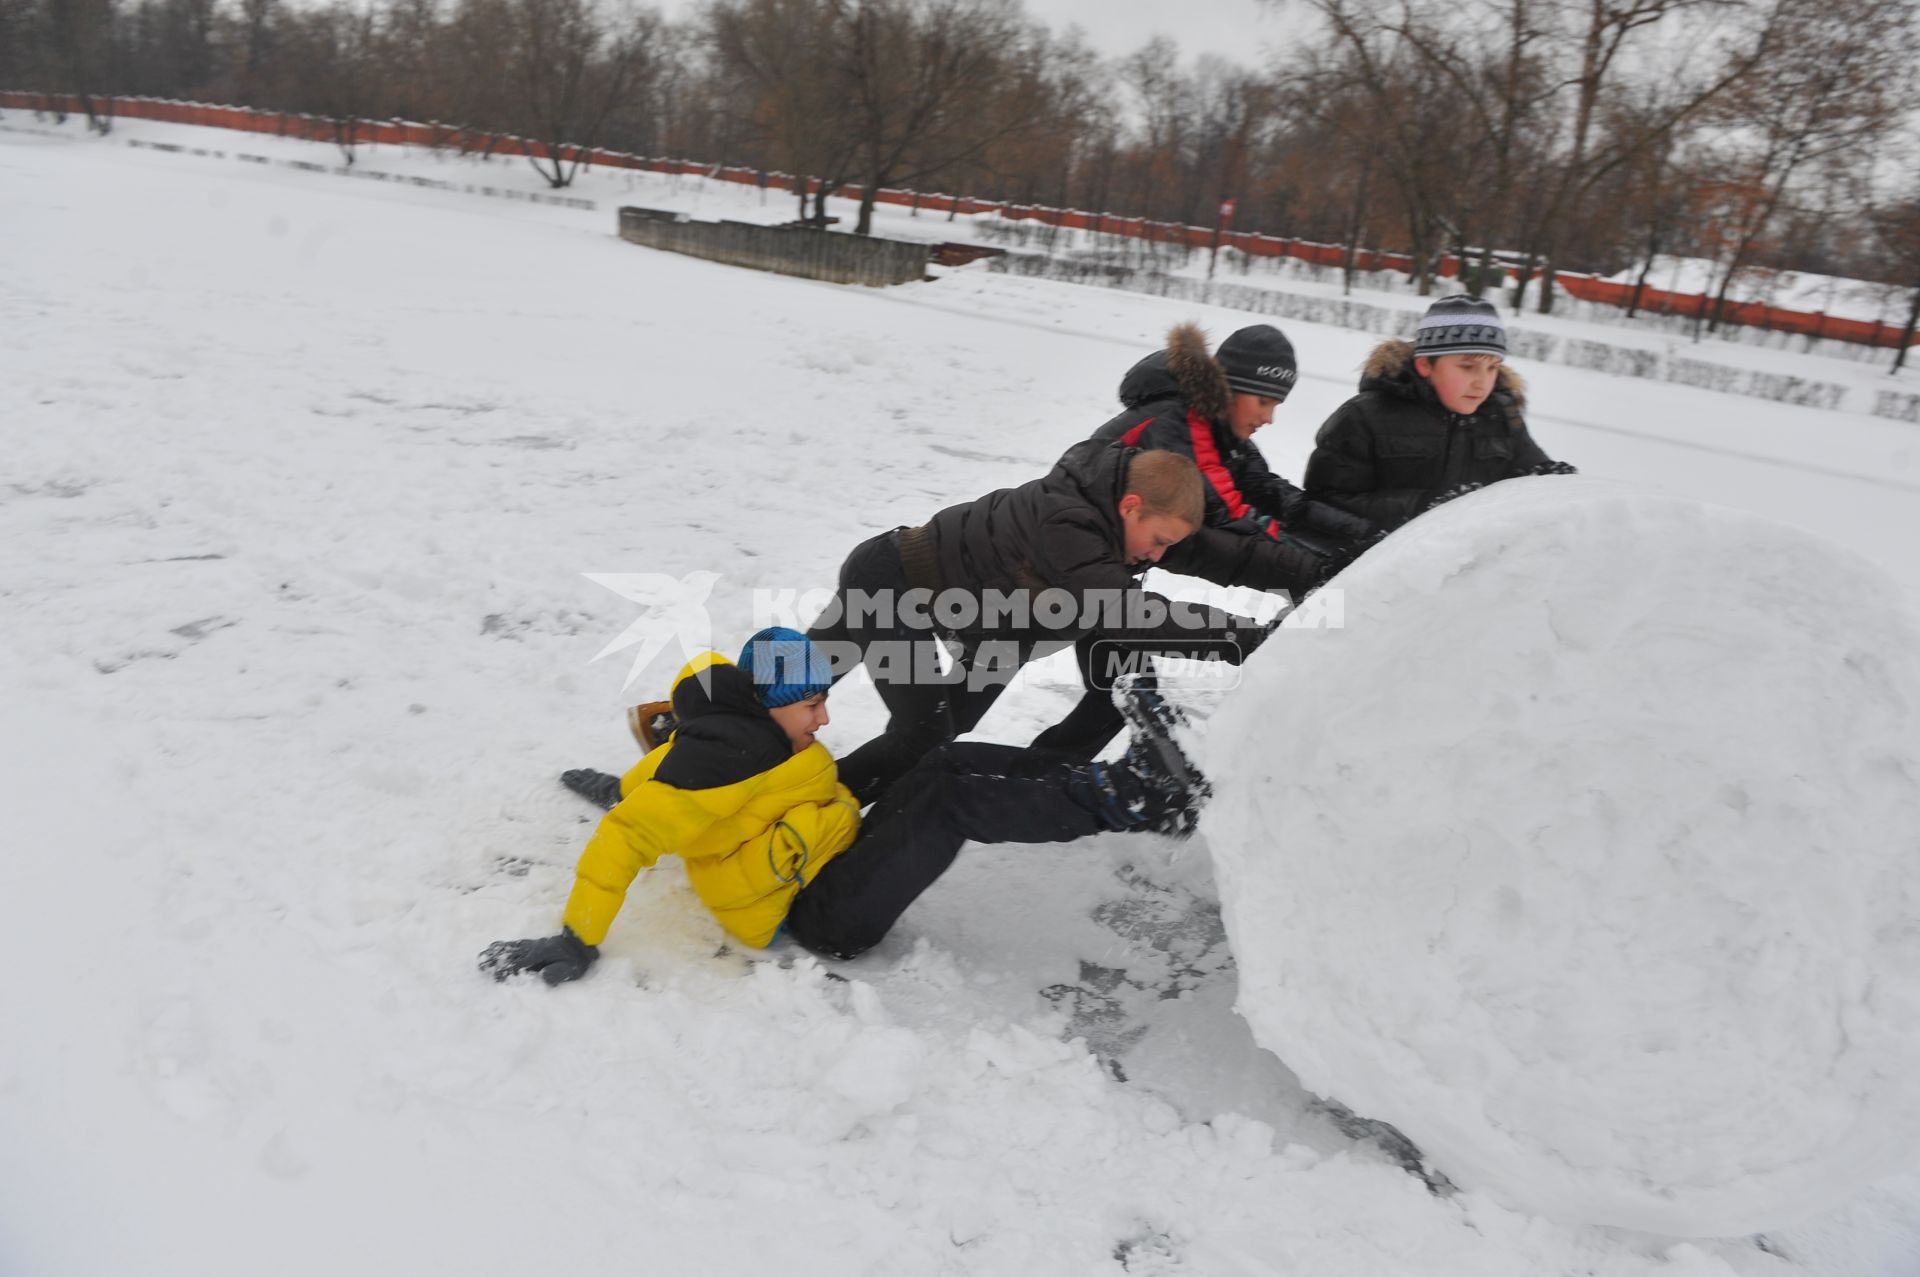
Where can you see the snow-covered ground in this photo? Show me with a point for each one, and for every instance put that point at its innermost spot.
(302, 476)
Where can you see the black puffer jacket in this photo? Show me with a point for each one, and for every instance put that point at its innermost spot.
(1386, 453)
(1060, 532)
(1177, 400)
(723, 733)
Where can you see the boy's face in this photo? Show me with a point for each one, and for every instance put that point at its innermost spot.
(802, 720)
(1149, 535)
(1461, 382)
(1247, 413)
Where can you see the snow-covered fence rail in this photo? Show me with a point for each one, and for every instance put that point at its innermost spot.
(1586, 288)
(802, 251)
(1526, 344)
(1897, 405)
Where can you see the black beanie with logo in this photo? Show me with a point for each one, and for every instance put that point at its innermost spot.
(1258, 361)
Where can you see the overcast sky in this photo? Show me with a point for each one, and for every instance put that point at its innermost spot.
(1237, 29)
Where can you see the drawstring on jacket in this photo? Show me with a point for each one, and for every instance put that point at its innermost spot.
(800, 866)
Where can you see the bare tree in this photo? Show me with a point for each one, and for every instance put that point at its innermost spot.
(16, 39)
(1667, 103)
(254, 48)
(1652, 197)
(1496, 60)
(1237, 111)
(74, 39)
(334, 68)
(1397, 99)
(1839, 77)
(416, 53)
(1056, 83)
(676, 108)
(1321, 172)
(1529, 89)
(778, 54)
(931, 85)
(570, 69)
(1896, 233)
(1168, 104)
(480, 37)
(167, 47)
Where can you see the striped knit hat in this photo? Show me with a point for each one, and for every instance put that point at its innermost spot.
(1461, 324)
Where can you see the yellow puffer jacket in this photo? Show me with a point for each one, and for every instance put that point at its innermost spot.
(753, 820)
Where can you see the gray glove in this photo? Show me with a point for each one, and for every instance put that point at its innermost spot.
(558, 959)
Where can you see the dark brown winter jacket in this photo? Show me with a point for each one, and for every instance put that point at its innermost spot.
(1386, 453)
(1062, 534)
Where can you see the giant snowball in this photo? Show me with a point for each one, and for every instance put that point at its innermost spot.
(1587, 852)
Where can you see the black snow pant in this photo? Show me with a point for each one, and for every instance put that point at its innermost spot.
(922, 715)
(1293, 563)
(1094, 721)
(961, 793)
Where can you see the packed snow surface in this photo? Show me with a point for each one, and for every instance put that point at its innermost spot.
(1592, 865)
(304, 477)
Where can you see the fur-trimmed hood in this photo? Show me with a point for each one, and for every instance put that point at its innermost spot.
(1186, 369)
(1390, 367)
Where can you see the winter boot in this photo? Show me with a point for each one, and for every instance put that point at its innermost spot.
(598, 788)
(652, 723)
(1154, 785)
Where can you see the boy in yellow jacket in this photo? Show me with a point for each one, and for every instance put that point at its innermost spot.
(773, 842)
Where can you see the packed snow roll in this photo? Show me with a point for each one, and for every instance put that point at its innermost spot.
(1588, 856)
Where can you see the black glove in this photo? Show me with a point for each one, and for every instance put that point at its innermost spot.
(558, 959)
(1250, 637)
(1553, 467)
(1332, 521)
(1346, 553)
(1453, 494)
(602, 789)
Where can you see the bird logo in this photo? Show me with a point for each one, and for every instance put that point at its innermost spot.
(676, 610)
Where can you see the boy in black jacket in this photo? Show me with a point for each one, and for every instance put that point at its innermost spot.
(1208, 408)
(1261, 531)
(1435, 417)
(1017, 574)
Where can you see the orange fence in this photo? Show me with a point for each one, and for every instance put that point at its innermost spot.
(1860, 332)
(1586, 288)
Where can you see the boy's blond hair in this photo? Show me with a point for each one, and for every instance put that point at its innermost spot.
(1168, 484)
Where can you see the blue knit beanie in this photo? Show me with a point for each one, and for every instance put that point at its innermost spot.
(785, 667)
